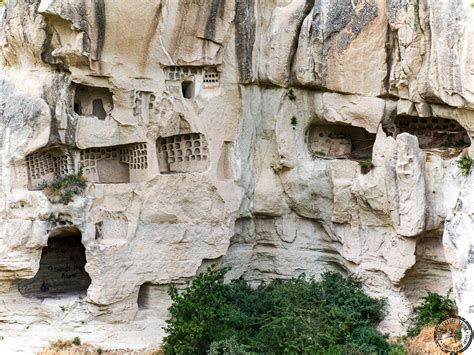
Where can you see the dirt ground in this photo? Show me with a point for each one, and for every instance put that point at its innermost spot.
(62, 347)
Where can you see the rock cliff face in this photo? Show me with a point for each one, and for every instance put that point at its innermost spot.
(276, 137)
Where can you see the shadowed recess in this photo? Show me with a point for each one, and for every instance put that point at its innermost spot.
(61, 270)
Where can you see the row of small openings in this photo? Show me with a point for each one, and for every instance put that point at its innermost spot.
(432, 132)
(429, 123)
(114, 164)
(187, 84)
(211, 77)
(45, 166)
(176, 73)
(180, 137)
(184, 70)
(182, 153)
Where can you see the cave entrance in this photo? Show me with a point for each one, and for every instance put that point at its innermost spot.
(340, 141)
(61, 271)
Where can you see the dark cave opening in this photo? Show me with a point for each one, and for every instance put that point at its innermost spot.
(61, 270)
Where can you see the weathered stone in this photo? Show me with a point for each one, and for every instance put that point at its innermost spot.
(276, 137)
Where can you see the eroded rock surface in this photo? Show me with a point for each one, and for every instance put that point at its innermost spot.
(274, 137)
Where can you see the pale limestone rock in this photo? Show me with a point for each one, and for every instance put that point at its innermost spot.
(254, 81)
(432, 51)
(411, 186)
(341, 47)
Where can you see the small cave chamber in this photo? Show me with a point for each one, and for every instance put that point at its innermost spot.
(93, 101)
(62, 269)
(45, 166)
(433, 133)
(183, 153)
(154, 298)
(339, 141)
(187, 88)
(144, 296)
(116, 164)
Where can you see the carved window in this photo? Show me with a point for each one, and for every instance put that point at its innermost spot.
(183, 153)
(43, 167)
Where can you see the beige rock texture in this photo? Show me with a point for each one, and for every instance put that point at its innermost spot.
(276, 137)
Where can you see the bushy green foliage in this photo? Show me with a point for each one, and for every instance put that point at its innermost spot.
(291, 94)
(397, 350)
(63, 189)
(76, 341)
(464, 164)
(432, 310)
(331, 316)
(229, 346)
(365, 166)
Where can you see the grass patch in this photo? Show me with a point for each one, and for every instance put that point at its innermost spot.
(464, 164)
(331, 316)
(76, 341)
(365, 166)
(63, 189)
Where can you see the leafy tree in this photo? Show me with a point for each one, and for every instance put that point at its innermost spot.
(331, 316)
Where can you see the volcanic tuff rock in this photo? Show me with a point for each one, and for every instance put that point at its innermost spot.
(276, 137)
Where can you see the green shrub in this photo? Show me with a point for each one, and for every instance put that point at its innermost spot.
(76, 341)
(291, 95)
(432, 310)
(229, 346)
(294, 121)
(464, 164)
(397, 350)
(300, 315)
(365, 166)
(63, 189)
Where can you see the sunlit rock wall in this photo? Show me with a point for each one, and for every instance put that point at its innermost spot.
(276, 137)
